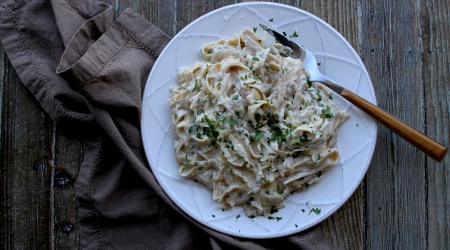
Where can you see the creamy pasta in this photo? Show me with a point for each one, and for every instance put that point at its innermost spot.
(250, 125)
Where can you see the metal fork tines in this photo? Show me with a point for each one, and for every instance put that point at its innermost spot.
(296, 49)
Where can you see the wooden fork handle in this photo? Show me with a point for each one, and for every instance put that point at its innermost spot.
(421, 141)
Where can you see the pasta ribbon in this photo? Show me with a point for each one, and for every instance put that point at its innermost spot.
(250, 125)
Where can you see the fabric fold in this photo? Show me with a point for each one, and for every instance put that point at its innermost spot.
(34, 46)
(72, 14)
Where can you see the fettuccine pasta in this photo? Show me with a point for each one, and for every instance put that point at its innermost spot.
(250, 125)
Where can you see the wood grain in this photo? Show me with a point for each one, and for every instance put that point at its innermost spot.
(435, 22)
(160, 13)
(24, 170)
(395, 187)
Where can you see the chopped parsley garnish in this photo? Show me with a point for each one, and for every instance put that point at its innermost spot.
(319, 97)
(315, 210)
(294, 35)
(255, 58)
(327, 112)
(304, 137)
(296, 153)
(187, 161)
(210, 131)
(284, 33)
(192, 127)
(271, 20)
(258, 136)
(279, 190)
(238, 216)
(257, 117)
(235, 97)
(196, 87)
(273, 210)
(254, 29)
(232, 122)
(309, 83)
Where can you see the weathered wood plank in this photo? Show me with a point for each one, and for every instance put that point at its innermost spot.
(435, 21)
(396, 181)
(1, 66)
(195, 9)
(24, 169)
(160, 13)
(345, 228)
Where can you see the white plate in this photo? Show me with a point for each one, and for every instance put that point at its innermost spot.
(356, 137)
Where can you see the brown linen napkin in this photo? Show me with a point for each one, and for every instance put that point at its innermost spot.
(102, 67)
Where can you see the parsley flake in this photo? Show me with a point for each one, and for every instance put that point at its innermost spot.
(315, 210)
(327, 112)
(309, 83)
(187, 161)
(258, 136)
(196, 87)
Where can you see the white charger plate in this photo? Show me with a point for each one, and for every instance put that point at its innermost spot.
(355, 141)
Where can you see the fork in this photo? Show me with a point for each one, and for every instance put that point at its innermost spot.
(427, 145)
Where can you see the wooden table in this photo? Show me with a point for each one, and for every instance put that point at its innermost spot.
(404, 200)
